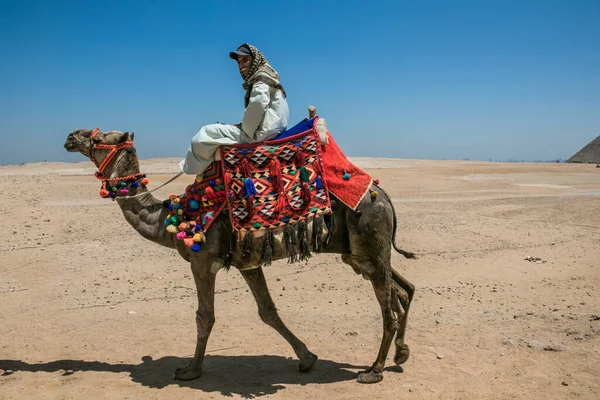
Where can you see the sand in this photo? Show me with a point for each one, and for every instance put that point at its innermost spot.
(507, 303)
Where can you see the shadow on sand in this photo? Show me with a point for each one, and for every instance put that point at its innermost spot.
(246, 376)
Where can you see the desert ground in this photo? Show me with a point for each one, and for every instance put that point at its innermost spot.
(507, 304)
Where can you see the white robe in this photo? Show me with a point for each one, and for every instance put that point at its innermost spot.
(266, 116)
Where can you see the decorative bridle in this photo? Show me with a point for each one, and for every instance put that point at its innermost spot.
(122, 182)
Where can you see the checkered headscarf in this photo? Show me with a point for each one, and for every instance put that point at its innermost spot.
(260, 71)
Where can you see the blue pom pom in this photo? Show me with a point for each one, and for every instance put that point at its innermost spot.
(194, 204)
(123, 184)
(177, 206)
(346, 175)
(318, 183)
(249, 188)
(135, 184)
(168, 222)
(111, 194)
(171, 207)
(195, 247)
(211, 183)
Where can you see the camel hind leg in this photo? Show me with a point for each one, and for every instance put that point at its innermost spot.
(403, 291)
(268, 313)
(379, 273)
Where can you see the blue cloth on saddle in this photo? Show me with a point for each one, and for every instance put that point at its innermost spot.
(303, 126)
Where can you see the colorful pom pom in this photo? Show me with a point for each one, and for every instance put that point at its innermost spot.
(374, 194)
(189, 242)
(145, 181)
(180, 212)
(172, 229)
(346, 175)
(199, 237)
(211, 183)
(104, 193)
(123, 184)
(182, 226)
(249, 188)
(175, 220)
(304, 175)
(134, 184)
(318, 183)
(124, 191)
(376, 181)
(193, 204)
(195, 247)
(209, 190)
(168, 222)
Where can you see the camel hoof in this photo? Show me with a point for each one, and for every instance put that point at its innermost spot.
(369, 376)
(308, 362)
(187, 374)
(402, 354)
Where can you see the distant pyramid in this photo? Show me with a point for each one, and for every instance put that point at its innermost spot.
(590, 154)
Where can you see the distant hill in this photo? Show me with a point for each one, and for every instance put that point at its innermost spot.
(590, 154)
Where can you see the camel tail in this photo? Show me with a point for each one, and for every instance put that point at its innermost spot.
(405, 253)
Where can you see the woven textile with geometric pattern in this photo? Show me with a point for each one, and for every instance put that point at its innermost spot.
(273, 184)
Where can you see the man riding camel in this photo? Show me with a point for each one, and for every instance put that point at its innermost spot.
(266, 112)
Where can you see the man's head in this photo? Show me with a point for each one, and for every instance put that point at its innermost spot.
(243, 56)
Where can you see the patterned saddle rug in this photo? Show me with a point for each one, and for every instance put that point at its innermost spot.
(263, 187)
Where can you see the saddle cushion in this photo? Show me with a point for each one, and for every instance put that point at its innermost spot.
(276, 183)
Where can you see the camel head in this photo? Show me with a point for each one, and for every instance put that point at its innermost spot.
(79, 141)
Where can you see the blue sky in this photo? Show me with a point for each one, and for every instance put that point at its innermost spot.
(457, 79)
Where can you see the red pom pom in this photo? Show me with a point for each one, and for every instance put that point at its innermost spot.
(209, 190)
(145, 181)
(104, 193)
(376, 181)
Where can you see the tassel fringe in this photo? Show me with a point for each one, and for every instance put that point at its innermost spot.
(303, 240)
(231, 252)
(267, 253)
(248, 245)
(318, 234)
(276, 177)
(290, 241)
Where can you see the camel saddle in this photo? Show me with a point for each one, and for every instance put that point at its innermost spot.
(268, 186)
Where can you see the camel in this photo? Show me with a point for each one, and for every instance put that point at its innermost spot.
(364, 241)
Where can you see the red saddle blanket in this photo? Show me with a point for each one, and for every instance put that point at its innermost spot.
(267, 186)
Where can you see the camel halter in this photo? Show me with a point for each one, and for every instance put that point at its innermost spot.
(124, 181)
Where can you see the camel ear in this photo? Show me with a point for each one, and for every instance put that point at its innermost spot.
(131, 136)
(123, 138)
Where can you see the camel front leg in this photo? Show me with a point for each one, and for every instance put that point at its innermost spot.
(205, 318)
(268, 313)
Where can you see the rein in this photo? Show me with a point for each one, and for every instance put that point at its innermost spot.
(123, 181)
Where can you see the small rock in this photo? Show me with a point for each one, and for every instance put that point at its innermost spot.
(131, 312)
(440, 356)
(502, 354)
(564, 383)
(595, 318)
(351, 333)
(509, 342)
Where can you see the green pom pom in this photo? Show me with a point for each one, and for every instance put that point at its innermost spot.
(304, 175)
(257, 225)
